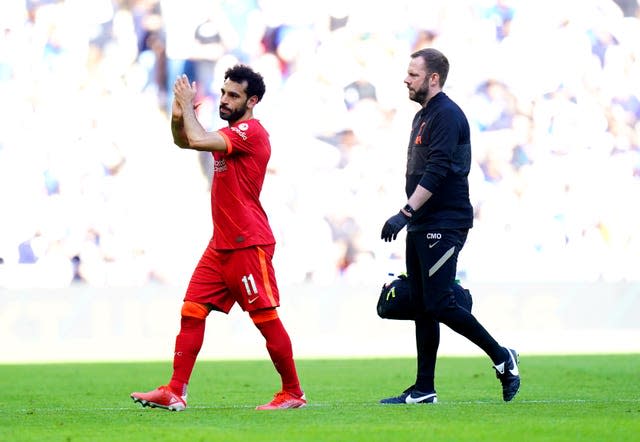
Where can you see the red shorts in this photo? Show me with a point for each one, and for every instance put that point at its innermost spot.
(245, 276)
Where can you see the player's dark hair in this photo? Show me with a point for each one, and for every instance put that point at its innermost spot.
(435, 61)
(241, 73)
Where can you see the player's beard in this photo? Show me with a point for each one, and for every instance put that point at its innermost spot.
(233, 115)
(421, 94)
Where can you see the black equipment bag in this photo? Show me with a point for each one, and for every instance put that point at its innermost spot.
(395, 299)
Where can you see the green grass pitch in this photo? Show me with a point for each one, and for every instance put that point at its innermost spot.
(562, 398)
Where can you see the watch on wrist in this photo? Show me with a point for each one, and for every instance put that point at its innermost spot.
(407, 208)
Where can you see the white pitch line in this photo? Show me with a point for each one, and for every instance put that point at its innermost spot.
(322, 404)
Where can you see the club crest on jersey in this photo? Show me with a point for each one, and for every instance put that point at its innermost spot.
(418, 139)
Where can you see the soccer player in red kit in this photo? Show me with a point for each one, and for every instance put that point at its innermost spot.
(236, 266)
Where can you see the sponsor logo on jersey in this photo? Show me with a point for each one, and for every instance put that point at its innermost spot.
(240, 130)
(219, 166)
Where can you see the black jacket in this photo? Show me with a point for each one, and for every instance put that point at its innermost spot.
(439, 159)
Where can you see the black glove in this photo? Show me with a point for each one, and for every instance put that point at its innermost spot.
(393, 226)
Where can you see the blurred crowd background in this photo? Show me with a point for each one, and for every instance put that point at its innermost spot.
(93, 191)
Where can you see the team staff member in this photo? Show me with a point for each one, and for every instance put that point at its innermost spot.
(439, 215)
(236, 266)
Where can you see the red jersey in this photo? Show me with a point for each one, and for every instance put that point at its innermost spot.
(238, 173)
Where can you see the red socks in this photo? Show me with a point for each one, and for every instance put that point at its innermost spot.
(281, 353)
(188, 344)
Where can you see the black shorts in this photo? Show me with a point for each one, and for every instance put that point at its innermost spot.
(432, 261)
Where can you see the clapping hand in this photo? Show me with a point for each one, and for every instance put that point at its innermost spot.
(184, 92)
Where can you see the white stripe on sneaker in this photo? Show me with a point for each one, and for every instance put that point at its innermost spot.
(514, 371)
(416, 400)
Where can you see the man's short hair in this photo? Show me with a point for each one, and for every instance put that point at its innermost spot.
(255, 82)
(435, 61)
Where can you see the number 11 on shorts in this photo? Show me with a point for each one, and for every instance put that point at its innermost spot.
(250, 285)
